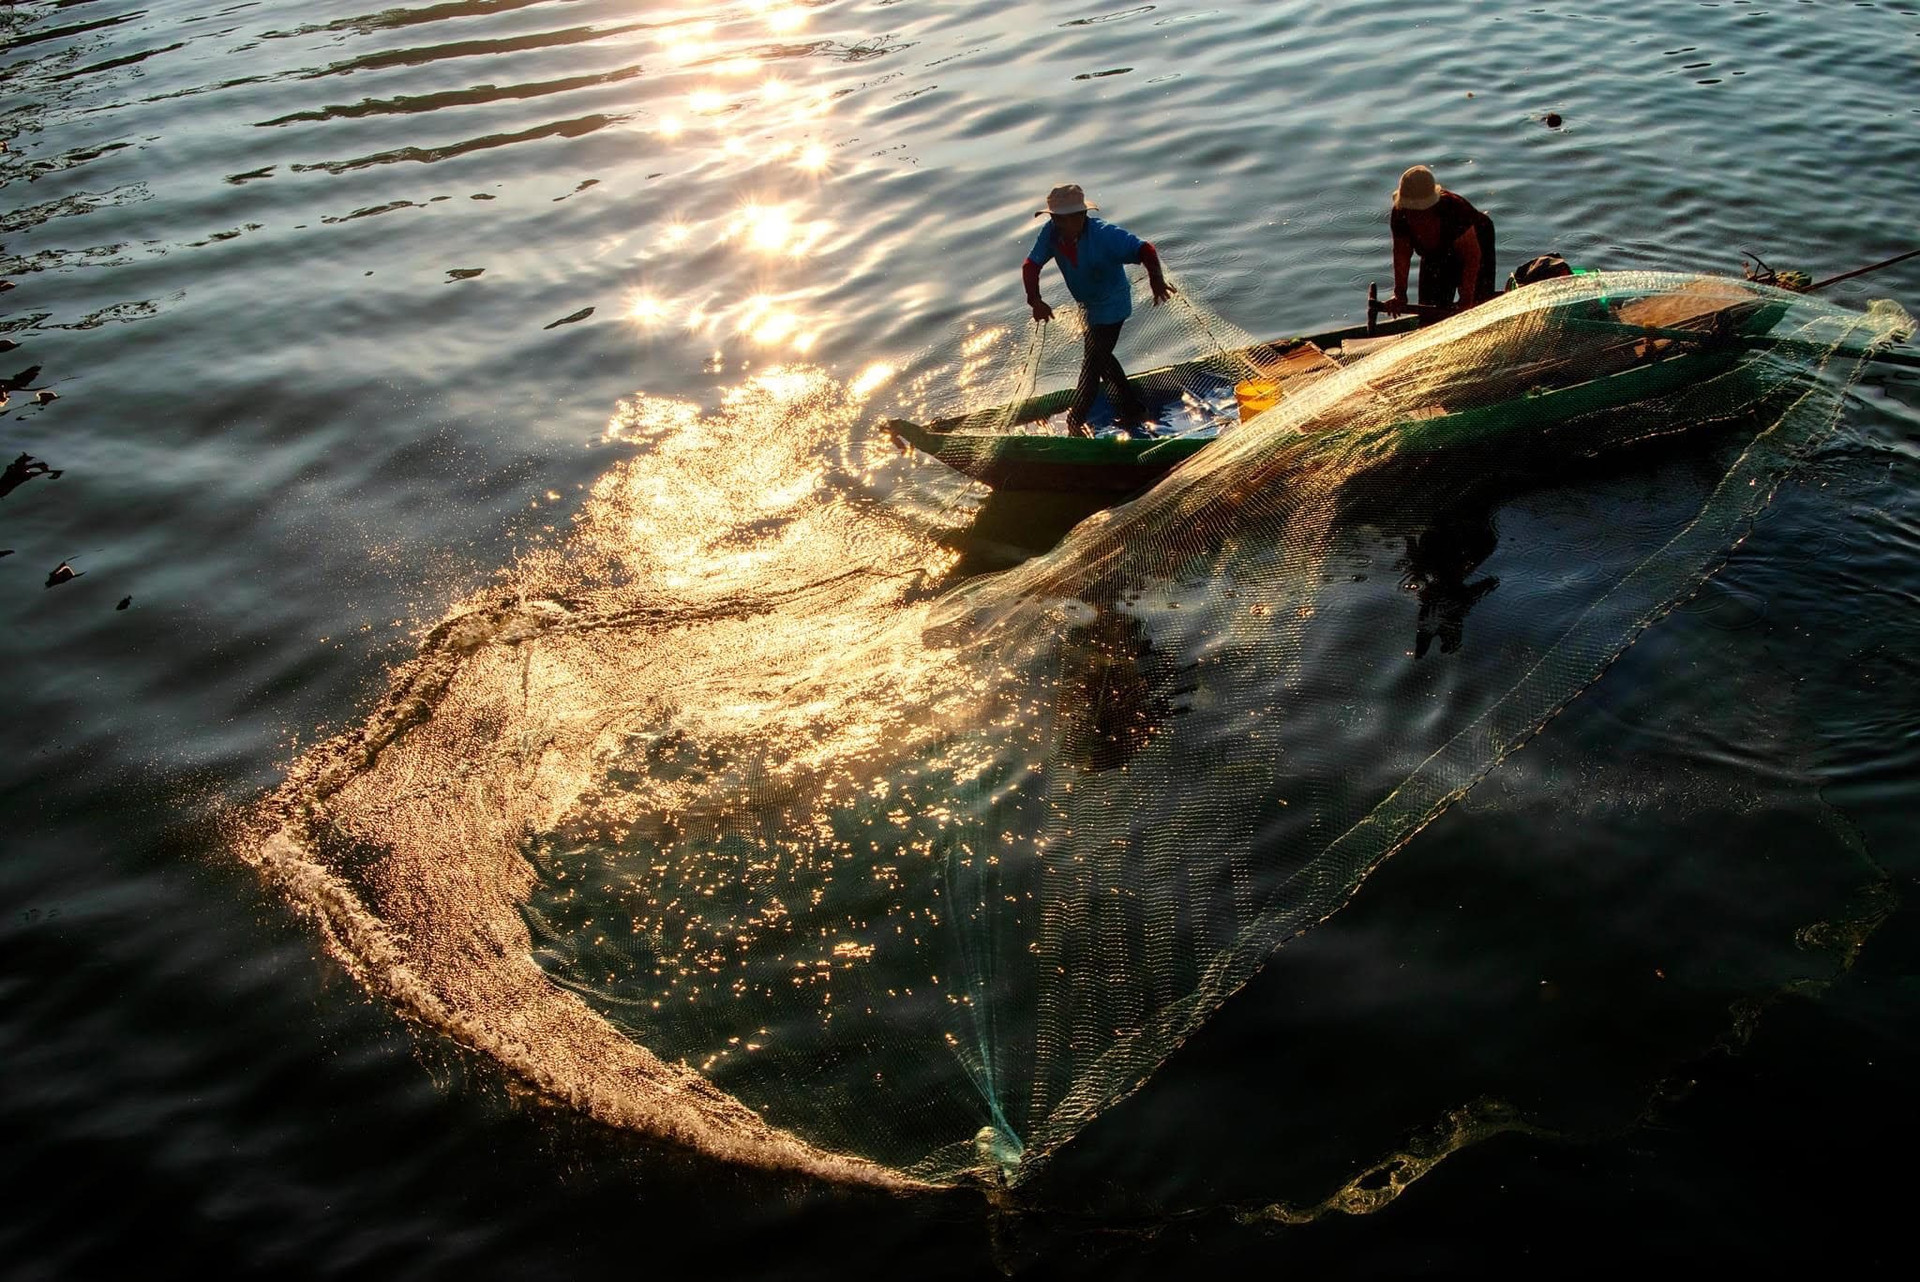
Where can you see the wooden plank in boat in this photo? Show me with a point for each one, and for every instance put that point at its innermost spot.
(1304, 357)
(1353, 349)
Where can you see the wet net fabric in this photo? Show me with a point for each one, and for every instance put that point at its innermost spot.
(736, 819)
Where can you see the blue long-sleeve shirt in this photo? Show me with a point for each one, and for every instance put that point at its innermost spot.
(1096, 274)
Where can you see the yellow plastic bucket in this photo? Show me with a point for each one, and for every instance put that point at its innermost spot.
(1256, 396)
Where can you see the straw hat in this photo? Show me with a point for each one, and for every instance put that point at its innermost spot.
(1418, 190)
(1067, 198)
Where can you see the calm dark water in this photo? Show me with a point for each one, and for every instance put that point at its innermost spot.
(299, 274)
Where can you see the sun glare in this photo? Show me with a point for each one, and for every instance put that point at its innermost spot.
(773, 230)
(775, 326)
(767, 324)
(870, 380)
(682, 48)
(646, 309)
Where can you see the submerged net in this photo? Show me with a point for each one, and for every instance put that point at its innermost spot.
(737, 820)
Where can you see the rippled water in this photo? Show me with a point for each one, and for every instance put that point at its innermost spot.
(312, 284)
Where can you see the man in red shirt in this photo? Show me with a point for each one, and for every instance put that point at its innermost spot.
(1454, 241)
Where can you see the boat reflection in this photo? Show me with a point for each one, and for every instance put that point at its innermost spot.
(1013, 526)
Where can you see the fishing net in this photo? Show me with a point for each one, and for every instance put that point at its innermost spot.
(738, 819)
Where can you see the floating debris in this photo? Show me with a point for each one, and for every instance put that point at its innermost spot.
(45, 396)
(580, 315)
(19, 382)
(62, 573)
(125, 601)
(463, 273)
(1551, 120)
(8, 345)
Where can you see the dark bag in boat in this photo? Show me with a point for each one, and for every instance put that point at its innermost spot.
(1545, 267)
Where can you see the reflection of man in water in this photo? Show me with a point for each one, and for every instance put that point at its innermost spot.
(1118, 690)
(1439, 559)
(1093, 255)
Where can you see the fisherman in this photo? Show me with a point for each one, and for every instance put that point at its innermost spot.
(1454, 241)
(1093, 254)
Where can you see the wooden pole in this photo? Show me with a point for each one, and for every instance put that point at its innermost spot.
(1862, 271)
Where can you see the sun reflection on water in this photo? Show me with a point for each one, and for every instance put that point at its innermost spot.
(646, 309)
(730, 107)
(870, 380)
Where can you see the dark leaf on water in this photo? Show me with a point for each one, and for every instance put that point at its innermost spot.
(22, 470)
(125, 601)
(580, 315)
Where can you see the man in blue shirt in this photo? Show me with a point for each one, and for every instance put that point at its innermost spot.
(1093, 254)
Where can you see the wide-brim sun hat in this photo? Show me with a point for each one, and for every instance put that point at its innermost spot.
(1067, 198)
(1417, 189)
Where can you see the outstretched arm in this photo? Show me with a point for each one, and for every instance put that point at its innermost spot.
(1030, 278)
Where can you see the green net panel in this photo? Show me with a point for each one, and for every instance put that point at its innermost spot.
(738, 820)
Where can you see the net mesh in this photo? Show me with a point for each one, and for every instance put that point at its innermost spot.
(738, 820)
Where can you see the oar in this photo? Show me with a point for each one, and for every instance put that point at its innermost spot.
(1862, 271)
(1909, 359)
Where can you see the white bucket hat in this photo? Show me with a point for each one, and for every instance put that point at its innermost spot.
(1417, 189)
(1067, 198)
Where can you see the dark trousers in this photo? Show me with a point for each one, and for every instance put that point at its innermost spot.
(1440, 273)
(1098, 364)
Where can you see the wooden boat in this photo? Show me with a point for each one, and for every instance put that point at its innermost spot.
(1647, 348)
